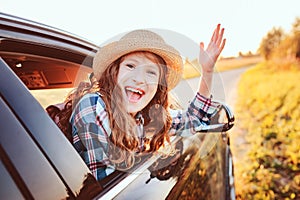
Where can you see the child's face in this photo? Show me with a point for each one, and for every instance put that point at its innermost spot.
(138, 78)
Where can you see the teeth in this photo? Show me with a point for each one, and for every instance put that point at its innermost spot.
(134, 90)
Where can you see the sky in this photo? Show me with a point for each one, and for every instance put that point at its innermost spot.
(246, 22)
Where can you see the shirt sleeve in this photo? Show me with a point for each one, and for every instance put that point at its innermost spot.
(90, 131)
(197, 115)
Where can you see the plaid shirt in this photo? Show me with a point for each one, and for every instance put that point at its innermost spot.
(91, 128)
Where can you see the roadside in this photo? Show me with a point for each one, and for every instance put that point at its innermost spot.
(238, 143)
(267, 108)
(230, 80)
(225, 90)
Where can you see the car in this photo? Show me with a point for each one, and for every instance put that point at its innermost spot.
(38, 64)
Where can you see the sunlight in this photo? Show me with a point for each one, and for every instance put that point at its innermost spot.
(50, 96)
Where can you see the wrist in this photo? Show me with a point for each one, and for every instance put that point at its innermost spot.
(207, 72)
(208, 67)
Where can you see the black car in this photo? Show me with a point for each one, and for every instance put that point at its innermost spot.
(37, 63)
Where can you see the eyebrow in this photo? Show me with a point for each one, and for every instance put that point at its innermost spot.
(129, 59)
(151, 63)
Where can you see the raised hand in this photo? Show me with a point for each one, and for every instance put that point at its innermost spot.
(208, 57)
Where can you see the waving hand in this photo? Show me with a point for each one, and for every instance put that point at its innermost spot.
(209, 56)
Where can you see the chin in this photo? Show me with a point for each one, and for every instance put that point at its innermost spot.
(132, 109)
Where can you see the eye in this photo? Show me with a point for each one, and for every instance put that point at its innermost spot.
(130, 66)
(152, 72)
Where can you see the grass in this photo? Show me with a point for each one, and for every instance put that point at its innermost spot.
(267, 110)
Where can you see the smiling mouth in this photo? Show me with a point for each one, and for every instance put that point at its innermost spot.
(134, 94)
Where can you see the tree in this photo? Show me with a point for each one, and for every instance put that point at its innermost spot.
(270, 42)
(296, 37)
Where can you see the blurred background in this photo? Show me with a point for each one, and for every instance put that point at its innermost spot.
(258, 71)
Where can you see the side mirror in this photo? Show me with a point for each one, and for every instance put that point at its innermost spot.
(221, 121)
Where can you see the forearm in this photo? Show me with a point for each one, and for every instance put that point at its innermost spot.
(197, 114)
(206, 84)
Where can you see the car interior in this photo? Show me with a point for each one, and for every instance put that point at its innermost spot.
(40, 72)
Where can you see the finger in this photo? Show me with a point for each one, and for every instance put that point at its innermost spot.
(211, 46)
(213, 37)
(201, 46)
(219, 39)
(222, 45)
(216, 33)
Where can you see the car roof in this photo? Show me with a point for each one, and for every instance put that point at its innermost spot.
(16, 28)
(26, 44)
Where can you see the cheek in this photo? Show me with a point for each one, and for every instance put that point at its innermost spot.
(121, 75)
(152, 86)
(153, 89)
(151, 80)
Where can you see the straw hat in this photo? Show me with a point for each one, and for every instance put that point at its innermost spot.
(140, 40)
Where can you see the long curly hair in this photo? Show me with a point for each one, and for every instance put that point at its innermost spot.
(124, 142)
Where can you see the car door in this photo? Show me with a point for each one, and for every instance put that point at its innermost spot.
(37, 161)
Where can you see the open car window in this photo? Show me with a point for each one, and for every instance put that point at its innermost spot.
(50, 96)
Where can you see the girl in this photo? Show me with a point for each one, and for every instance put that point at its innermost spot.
(125, 112)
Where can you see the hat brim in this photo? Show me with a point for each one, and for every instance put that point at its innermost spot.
(113, 51)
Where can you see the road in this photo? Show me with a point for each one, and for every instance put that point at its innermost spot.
(223, 88)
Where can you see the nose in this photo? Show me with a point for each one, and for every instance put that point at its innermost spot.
(139, 75)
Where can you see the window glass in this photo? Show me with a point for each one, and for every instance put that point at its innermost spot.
(8, 189)
(35, 170)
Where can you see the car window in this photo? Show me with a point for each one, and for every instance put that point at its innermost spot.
(8, 188)
(28, 161)
(48, 97)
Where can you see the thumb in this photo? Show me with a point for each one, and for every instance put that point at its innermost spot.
(201, 46)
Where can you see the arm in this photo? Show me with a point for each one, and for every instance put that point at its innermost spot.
(91, 144)
(90, 135)
(201, 107)
(208, 58)
(196, 116)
